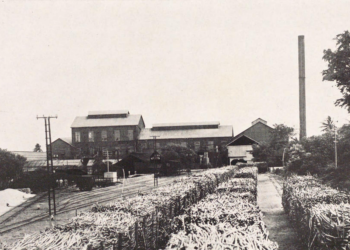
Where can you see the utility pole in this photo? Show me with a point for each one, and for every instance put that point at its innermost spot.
(335, 147)
(49, 163)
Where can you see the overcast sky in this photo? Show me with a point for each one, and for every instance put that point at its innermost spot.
(171, 61)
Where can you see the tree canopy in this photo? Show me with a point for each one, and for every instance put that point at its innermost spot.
(272, 151)
(328, 125)
(184, 155)
(11, 166)
(37, 148)
(339, 68)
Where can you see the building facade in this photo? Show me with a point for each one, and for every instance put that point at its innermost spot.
(240, 148)
(202, 137)
(115, 132)
(62, 148)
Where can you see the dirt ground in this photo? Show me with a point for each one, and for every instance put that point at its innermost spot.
(270, 203)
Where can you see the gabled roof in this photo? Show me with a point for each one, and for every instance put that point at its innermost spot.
(221, 131)
(253, 126)
(242, 140)
(84, 122)
(67, 140)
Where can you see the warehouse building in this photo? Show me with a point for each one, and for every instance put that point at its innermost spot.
(62, 148)
(202, 137)
(241, 147)
(115, 132)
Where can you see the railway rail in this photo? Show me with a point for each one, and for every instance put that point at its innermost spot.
(83, 200)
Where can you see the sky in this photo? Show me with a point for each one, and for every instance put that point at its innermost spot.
(171, 61)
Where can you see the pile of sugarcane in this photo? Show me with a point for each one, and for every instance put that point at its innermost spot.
(320, 213)
(141, 222)
(240, 186)
(247, 172)
(223, 220)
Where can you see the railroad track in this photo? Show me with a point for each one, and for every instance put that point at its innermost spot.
(144, 185)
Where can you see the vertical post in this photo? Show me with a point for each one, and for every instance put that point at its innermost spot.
(120, 241)
(302, 104)
(48, 168)
(335, 147)
(49, 163)
(52, 171)
(107, 161)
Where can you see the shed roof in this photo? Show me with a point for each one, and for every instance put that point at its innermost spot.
(31, 156)
(221, 131)
(109, 112)
(186, 124)
(84, 122)
(42, 164)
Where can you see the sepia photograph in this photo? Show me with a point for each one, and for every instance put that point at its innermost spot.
(171, 124)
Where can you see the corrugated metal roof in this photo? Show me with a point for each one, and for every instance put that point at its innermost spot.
(83, 121)
(42, 164)
(109, 112)
(190, 124)
(31, 156)
(221, 131)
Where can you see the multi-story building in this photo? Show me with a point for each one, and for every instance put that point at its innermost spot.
(201, 137)
(115, 132)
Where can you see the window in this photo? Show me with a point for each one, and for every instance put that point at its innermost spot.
(77, 136)
(92, 151)
(184, 144)
(210, 145)
(117, 135)
(104, 135)
(197, 145)
(91, 136)
(158, 145)
(131, 135)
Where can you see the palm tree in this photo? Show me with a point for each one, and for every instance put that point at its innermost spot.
(328, 125)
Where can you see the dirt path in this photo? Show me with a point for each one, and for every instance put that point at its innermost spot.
(270, 203)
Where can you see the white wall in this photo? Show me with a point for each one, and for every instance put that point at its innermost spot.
(240, 151)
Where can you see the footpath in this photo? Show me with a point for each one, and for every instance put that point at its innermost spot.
(270, 203)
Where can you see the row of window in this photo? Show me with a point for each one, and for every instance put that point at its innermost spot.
(111, 152)
(117, 135)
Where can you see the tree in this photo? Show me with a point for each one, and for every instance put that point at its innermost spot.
(184, 155)
(11, 166)
(328, 125)
(339, 68)
(272, 151)
(37, 148)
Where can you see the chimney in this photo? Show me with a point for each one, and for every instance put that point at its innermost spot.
(302, 105)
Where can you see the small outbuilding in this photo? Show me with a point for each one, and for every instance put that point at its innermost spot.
(240, 149)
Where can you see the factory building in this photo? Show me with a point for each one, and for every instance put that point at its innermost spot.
(115, 132)
(202, 137)
(241, 147)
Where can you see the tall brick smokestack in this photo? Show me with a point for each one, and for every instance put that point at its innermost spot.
(302, 105)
